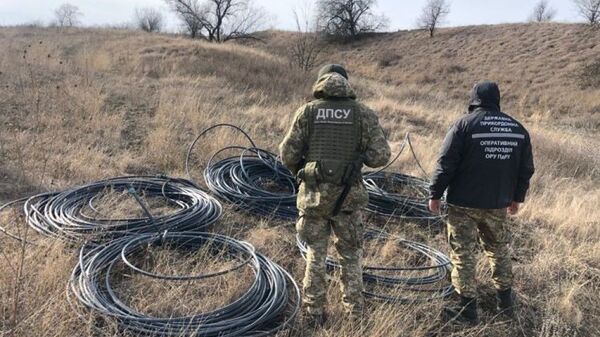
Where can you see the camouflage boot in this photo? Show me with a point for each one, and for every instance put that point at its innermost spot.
(506, 302)
(465, 312)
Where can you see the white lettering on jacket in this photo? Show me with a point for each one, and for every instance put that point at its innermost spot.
(333, 114)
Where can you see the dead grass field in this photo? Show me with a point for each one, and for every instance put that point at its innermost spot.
(82, 105)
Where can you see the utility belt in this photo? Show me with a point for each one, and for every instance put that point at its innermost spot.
(331, 172)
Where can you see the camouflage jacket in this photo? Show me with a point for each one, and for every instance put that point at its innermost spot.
(376, 150)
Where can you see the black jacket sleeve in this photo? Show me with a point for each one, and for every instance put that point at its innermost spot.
(448, 161)
(526, 171)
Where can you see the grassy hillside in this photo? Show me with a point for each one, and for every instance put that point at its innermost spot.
(82, 105)
(538, 66)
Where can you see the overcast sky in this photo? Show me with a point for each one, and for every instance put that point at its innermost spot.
(402, 14)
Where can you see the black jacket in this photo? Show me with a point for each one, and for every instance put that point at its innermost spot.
(486, 160)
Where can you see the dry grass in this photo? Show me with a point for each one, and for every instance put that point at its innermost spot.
(182, 298)
(90, 104)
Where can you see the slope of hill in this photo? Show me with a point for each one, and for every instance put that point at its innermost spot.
(82, 105)
(538, 66)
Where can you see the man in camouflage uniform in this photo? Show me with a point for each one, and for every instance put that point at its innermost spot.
(486, 163)
(328, 143)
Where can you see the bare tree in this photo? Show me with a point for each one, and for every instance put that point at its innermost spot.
(148, 19)
(348, 19)
(219, 20)
(433, 15)
(590, 10)
(192, 26)
(305, 47)
(67, 15)
(189, 12)
(542, 12)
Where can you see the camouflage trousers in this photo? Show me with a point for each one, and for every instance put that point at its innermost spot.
(466, 228)
(347, 228)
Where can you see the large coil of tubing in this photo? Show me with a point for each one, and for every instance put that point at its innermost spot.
(257, 182)
(410, 203)
(269, 305)
(397, 195)
(74, 215)
(426, 285)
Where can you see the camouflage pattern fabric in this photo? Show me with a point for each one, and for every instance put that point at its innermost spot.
(333, 85)
(348, 241)
(468, 226)
(316, 203)
(294, 147)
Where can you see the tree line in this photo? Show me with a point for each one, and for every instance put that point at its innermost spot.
(342, 20)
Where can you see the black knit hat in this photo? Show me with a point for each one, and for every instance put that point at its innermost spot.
(333, 68)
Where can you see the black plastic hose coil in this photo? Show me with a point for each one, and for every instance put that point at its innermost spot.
(255, 182)
(410, 203)
(73, 215)
(269, 304)
(423, 287)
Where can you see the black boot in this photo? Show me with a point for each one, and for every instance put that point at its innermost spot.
(466, 312)
(505, 302)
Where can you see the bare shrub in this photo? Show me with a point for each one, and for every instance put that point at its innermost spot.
(542, 12)
(305, 47)
(188, 14)
(589, 76)
(348, 19)
(388, 59)
(433, 14)
(32, 24)
(219, 20)
(68, 15)
(589, 10)
(148, 19)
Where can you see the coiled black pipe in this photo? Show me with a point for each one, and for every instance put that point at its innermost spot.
(72, 214)
(269, 304)
(422, 287)
(250, 179)
(410, 204)
(255, 182)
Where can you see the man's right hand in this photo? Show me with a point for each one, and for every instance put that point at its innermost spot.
(435, 206)
(513, 209)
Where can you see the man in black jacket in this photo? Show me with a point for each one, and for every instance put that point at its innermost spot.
(486, 163)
